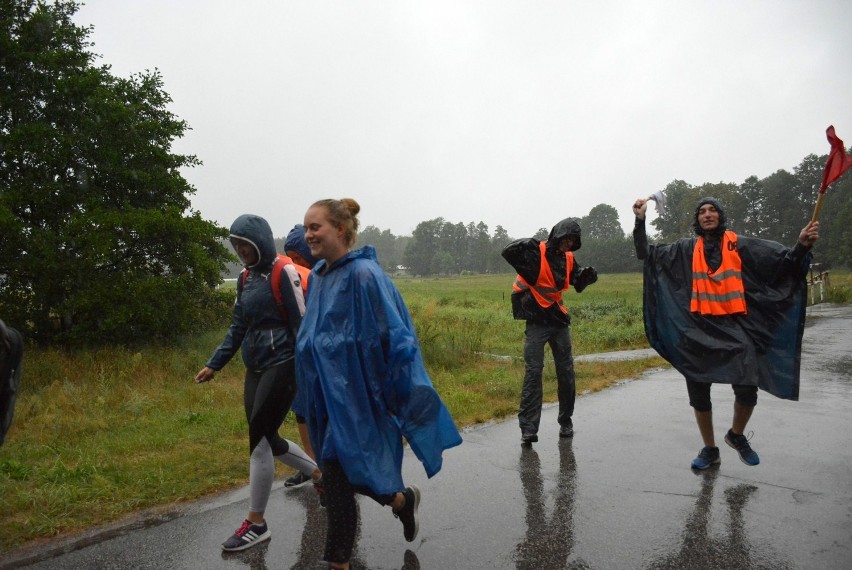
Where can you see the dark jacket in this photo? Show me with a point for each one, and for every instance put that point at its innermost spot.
(258, 327)
(524, 255)
(11, 354)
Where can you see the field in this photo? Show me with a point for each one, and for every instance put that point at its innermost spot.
(101, 434)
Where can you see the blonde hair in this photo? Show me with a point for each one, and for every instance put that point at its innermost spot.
(342, 213)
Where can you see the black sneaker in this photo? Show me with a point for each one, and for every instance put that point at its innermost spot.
(741, 444)
(408, 513)
(297, 480)
(248, 535)
(566, 431)
(529, 438)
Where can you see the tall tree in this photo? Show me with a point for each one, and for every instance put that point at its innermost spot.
(480, 248)
(97, 238)
(500, 239)
(753, 198)
(778, 190)
(602, 223)
(425, 243)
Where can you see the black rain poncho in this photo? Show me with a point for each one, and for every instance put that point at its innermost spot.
(762, 348)
(11, 353)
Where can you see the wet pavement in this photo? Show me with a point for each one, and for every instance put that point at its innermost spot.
(619, 495)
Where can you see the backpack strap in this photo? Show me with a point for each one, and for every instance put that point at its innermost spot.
(275, 282)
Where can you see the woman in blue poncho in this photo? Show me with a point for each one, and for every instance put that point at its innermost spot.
(359, 363)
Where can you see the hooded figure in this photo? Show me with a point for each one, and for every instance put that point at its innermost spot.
(762, 347)
(265, 336)
(726, 308)
(524, 255)
(265, 332)
(295, 242)
(545, 271)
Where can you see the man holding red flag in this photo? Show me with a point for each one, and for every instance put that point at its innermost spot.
(723, 308)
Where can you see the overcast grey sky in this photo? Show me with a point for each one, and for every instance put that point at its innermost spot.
(513, 113)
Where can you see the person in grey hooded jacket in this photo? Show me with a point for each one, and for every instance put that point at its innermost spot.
(266, 334)
(545, 270)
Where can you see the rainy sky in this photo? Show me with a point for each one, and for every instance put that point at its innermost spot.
(513, 113)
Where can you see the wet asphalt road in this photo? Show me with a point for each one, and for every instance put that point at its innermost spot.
(619, 495)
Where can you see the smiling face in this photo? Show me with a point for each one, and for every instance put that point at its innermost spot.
(708, 217)
(326, 240)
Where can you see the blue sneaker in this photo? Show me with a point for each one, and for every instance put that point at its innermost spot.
(740, 443)
(706, 457)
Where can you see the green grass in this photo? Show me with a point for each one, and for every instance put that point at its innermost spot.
(839, 288)
(101, 434)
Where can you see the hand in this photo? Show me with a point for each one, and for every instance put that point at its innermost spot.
(585, 277)
(204, 375)
(809, 234)
(639, 207)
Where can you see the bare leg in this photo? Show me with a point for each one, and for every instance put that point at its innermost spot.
(742, 415)
(398, 502)
(705, 426)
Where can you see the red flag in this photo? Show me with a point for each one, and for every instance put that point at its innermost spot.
(837, 162)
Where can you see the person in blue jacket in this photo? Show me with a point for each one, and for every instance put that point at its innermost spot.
(266, 334)
(359, 360)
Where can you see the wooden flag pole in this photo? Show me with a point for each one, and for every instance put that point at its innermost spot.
(818, 207)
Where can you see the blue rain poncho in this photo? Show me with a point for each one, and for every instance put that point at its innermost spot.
(762, 348)
(359, 363)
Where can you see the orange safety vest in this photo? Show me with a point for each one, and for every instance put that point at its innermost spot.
(719, 292)
(544, 290)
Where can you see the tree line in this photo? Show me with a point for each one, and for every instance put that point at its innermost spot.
(99, 243)
(776, 207)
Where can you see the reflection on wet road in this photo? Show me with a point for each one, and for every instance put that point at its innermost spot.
(549, 539)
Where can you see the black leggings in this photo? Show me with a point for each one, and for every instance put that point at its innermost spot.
(342, 511)
(699, 395)
(268, 395)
